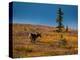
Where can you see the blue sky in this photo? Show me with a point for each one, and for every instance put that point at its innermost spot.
(44, 14)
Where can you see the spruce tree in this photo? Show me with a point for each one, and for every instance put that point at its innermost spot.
(60, 27)
(59, 20)
(66, 28)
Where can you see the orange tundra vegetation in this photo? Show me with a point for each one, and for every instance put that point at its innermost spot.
(49, 44)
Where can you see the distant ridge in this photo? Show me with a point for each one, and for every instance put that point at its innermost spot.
(39, 27)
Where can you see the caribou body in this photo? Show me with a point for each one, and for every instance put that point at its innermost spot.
(33, 36)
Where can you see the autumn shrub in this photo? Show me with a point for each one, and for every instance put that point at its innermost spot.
(25, 49)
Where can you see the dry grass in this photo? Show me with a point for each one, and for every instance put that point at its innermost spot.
(48, 45)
